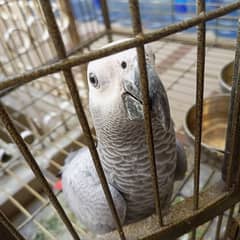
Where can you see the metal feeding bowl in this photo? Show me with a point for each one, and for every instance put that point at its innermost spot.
(214, 125)
(226, 77)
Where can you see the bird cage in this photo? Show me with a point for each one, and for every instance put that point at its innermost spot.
(44, 49)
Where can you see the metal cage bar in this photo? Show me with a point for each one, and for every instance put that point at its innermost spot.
(7, 122)
(199, 101)
(27, 214)
(137, 30)
(8, 226)
(64, 63)
(133, 42)
(231, 162)
(201, 42)
(61, 52)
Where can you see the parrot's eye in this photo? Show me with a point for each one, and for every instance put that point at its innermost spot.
(93, 79)
(123, 64)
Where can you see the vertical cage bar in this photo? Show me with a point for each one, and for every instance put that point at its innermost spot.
(201, 43)
(73, 29)
(199, 102)
(106, 19)
(9, 227)
(230, 164)
(7, 122)
(60, 48)
(137, 29)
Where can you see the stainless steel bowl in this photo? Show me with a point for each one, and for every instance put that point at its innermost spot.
(226, 78)
(214, 125)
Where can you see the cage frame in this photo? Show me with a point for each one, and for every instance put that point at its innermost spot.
(223, 198)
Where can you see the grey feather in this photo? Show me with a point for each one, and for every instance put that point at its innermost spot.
(70, 157)
(122, 147)
(82, 189)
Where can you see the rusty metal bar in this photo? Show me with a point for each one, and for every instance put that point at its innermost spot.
(78, 48)
(194, 232)
(181, 39)
(201, 41)
(28, 187)
(231, 162)
(199, 102)
(27, 214)
(137, 29)
(60, 48)
(199, 217)
(35, 213)
(7, 122)
(106, 19)
(8, 225)
(133, 42)
(39, 197)
(86, 43)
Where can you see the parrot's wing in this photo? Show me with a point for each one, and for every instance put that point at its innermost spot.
(67, 160)
(71, 156)
(181, 166)
(84, 194)
(165, 109)
(159, 94)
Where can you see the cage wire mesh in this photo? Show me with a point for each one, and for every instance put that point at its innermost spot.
(39, 93)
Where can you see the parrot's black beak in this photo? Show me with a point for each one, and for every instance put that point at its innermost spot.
(158, 101)
(133, 106)
(132, 97)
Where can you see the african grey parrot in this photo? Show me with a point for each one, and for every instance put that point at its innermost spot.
(116, 107)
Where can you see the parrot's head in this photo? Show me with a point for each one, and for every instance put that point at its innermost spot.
(114, 85)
